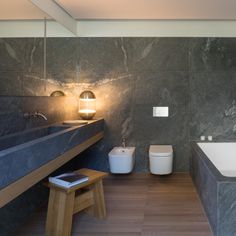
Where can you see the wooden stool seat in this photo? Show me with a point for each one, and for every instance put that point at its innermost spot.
(64, 202)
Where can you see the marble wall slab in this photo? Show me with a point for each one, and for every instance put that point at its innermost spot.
(212, 76)
(12, 111)
(21, 59)
(129, 77)
(195, 77)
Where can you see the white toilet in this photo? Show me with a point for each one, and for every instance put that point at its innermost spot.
(121, 160)
(161, 159)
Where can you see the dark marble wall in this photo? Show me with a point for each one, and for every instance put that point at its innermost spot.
(195, 77)
(56, 109)
(212, 87)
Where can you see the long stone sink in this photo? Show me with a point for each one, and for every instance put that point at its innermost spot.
(25, 152)
(16, 139)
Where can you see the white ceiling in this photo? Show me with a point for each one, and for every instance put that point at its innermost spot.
(126, 9)
(150, 9)
(19, 10)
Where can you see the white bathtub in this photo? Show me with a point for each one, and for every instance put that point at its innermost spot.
(222, 155)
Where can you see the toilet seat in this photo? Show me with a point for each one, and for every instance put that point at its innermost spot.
(160, 150)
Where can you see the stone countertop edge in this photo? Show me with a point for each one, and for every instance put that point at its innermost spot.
(17, 162)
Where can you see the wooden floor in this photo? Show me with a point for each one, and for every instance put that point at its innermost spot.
(139, 204)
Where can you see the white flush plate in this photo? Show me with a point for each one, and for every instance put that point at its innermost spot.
(160, 111)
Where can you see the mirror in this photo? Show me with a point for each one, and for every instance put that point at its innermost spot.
(37, 66)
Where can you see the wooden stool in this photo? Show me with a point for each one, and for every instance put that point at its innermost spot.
(63, 203)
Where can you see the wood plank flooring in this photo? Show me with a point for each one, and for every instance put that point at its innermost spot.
(139, 204)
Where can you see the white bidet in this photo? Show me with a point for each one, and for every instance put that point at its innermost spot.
(121, 160)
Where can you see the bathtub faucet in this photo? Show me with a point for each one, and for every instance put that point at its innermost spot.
(123, 142)
(29, 115)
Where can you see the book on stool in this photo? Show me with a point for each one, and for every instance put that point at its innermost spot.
(68, 180)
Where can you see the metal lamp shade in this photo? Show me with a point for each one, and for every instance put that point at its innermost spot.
(57, 93)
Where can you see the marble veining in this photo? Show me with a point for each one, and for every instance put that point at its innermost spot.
(195, 77)
(38, 147)
(11, 52)
(145, 52)
(125, 55)
(216, 192)
(230, 111)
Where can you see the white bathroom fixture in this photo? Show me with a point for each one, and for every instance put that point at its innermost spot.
(209, 138)
(202, 138)
(161, 159)
(121, 160)
(160, 111)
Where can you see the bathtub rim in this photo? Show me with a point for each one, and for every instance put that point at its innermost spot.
(217, 174)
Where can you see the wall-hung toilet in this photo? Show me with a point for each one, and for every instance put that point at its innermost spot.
(121, 160)
(161, 159)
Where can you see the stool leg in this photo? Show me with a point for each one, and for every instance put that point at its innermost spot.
(98, 209)
(60, 213)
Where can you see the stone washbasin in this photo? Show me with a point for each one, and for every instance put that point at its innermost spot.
(15, 139)
(24, 152)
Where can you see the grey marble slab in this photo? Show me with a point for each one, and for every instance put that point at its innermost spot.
(62, 59)
(216, 192)
(13, 108)
(195, 77)
(227, 208)
(38, 148)
(157, 54)
(212, 54)
(19, 138)
(163, 89)
(100, 58)
(11, 82)
(21, 54)
(213, 104)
